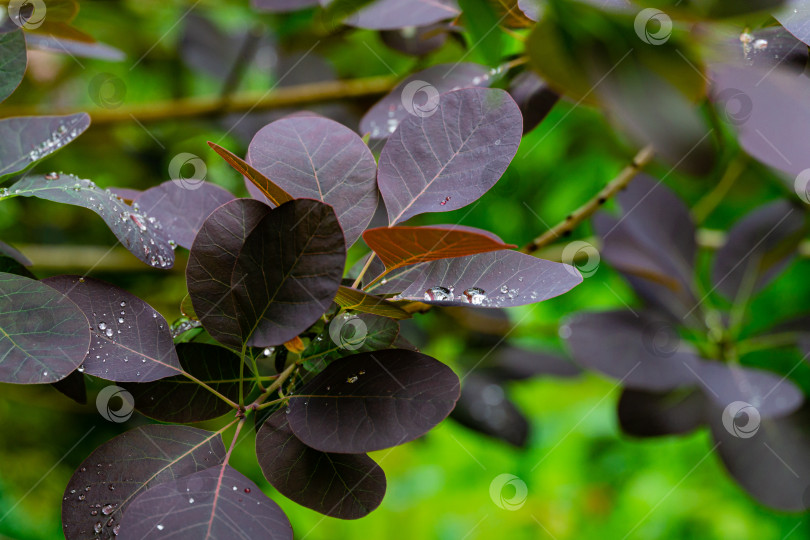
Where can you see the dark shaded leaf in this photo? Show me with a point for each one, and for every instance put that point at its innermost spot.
(534, 97)
(219, 502)
(43, 335)
(15, 254)
(484, 407)
(211, 263)
(349, 334)
(496, 279)
(117, 471)
(10, 265)
(757, 248)
(274, 194)
(450, 158)
(31, 138)
(769, 458)
(314, 157)
(515, 364)
(139, 233)
(288, 272)
(346, 486)
(182, 206)
(372, 401)
(181, 400)
(403, 246)
(641, 351)
(353, 299)
(423, 89)
(130, 340)
(73, 387)
(649, 414)
(15, 60)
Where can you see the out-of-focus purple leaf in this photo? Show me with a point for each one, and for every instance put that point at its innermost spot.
(372, 401)
(281, 5)
(423, 89)
(15, 60)
(757, 248)
(534, 9)
(767, 48)
(484, 407)
(416, 41)
(391, 14)
(346, 486)
(534, 97)
(768, 457)
(142, 235)
(211, 263)
(181, 400)
(15, 254)
(62, 45)
(219, 502)
(794, 15)
(771, 111)
(105, 484)
(205, 48)
(73, 386)
(497, 279)
(641, 351)
(130, 340)
(182, 207)
(30, 138)
(288, 272)
(43, 335)
(650, 414)
(317, 158)
(447, 160)
(514, 364)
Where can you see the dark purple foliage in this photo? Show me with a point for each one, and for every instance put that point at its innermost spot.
(30, 138)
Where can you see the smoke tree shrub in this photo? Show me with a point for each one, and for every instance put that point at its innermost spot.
(281, 337)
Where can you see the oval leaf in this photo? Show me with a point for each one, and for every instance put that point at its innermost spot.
(137, 232)
(43, 335)
(346, 486)
(182, 206)
(314, 157)
(372, 401)
(211, 263)
(219, 502)
(390, 14)
(130, 340)
(484, 407)
(448, 159)
(181, 400)
(31, 138)
(106, 483)
(649, 414)
(15, 60)
(288, 272)
(403, 246)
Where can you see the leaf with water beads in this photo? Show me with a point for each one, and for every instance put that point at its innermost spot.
(130, 340)
(142, 235)
(106, 483)
(43, 335)
(30, 138)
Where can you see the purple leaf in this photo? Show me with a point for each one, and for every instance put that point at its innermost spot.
(484, 407)
(211, 263)
(649, 414)
(391, 14)
(372, 401)
(106, 483)
(345, 486)
(416, 41)
(281, 5)
(768, 457)
(795, 17)
(534, 97)
(423, 89)
(139, 233)
(130, 340)
(771, 111)
(450, 157)
(641, 351)
(182, 206)
(496, 279)
(317, 158)
(30, 138)
(181, 400)
(15, 60)
(43, 335)
(219, 502)
(757, 248)
(72, 47)
(515, 364)
(10, 251)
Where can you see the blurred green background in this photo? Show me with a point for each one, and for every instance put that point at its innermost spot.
(584, 479)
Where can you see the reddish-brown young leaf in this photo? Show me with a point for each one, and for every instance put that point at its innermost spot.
(401, 246)
(269, 189)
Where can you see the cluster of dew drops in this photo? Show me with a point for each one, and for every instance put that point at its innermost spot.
(99, 511)
(472, 295)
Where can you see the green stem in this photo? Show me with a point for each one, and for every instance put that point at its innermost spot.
(711, 200)
(363, 271)
(772, 341)
(204, 385)
(283, 376)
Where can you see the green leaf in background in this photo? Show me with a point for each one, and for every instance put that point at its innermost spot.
(482, 22)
